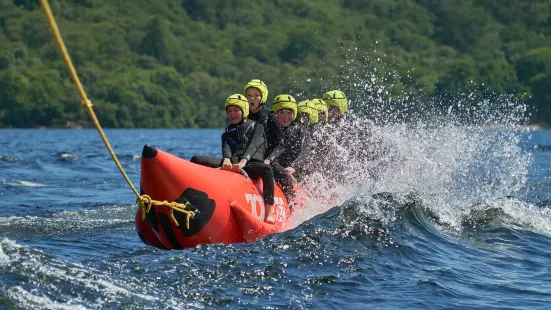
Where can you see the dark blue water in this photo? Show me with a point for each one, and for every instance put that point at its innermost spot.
(460, 217)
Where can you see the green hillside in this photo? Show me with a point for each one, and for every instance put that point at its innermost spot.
(163, 63)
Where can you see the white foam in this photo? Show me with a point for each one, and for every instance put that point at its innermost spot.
(453, 153)
(68, 221)
(525, 214)
(69, 156)
(31, 184)
(22, 183)
(31, 300)
(47, 273)
(4, 258)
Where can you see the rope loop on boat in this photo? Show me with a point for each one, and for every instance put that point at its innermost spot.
(145, 203)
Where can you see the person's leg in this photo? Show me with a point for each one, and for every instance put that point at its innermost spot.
(284, 180)
(259, 169)
(209, 161)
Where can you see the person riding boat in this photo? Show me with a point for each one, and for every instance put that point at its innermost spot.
(308, 119)
(337, 105)
(307, 114)
(355, 134)
(323, 113)
(296, 135)
(243, 147)
(256, 93)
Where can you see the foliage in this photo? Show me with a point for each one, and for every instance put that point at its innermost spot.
(169, 63)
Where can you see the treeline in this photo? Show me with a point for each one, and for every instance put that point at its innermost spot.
(172, 63)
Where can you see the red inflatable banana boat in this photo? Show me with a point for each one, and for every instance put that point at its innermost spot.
(228, 207)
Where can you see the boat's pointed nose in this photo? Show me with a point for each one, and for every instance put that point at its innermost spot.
(149, 151)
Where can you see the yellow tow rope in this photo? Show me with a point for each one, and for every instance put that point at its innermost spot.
(144, 201)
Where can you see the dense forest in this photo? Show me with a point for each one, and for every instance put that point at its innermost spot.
(172, 63)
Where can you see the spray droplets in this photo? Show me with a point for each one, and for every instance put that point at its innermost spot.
(453, 150)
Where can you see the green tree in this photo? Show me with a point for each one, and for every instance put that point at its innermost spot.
(159, 42)
(173, 63)
(30, 97)
(534, 70)
(461, 72)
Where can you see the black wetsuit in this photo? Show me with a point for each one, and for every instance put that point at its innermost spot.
(320, 152)
(245, 141)
(296, 141)
(296, 144)
(274, 134)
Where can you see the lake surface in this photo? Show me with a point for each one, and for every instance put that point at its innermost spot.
(459, 218)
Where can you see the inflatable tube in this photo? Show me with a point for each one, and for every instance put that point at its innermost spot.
(228, 206)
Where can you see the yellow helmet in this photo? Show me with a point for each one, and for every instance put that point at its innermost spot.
(285, 102)
(258, 84)
(310, 109)
(239, 101)
(321, 106)
(336, 98)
